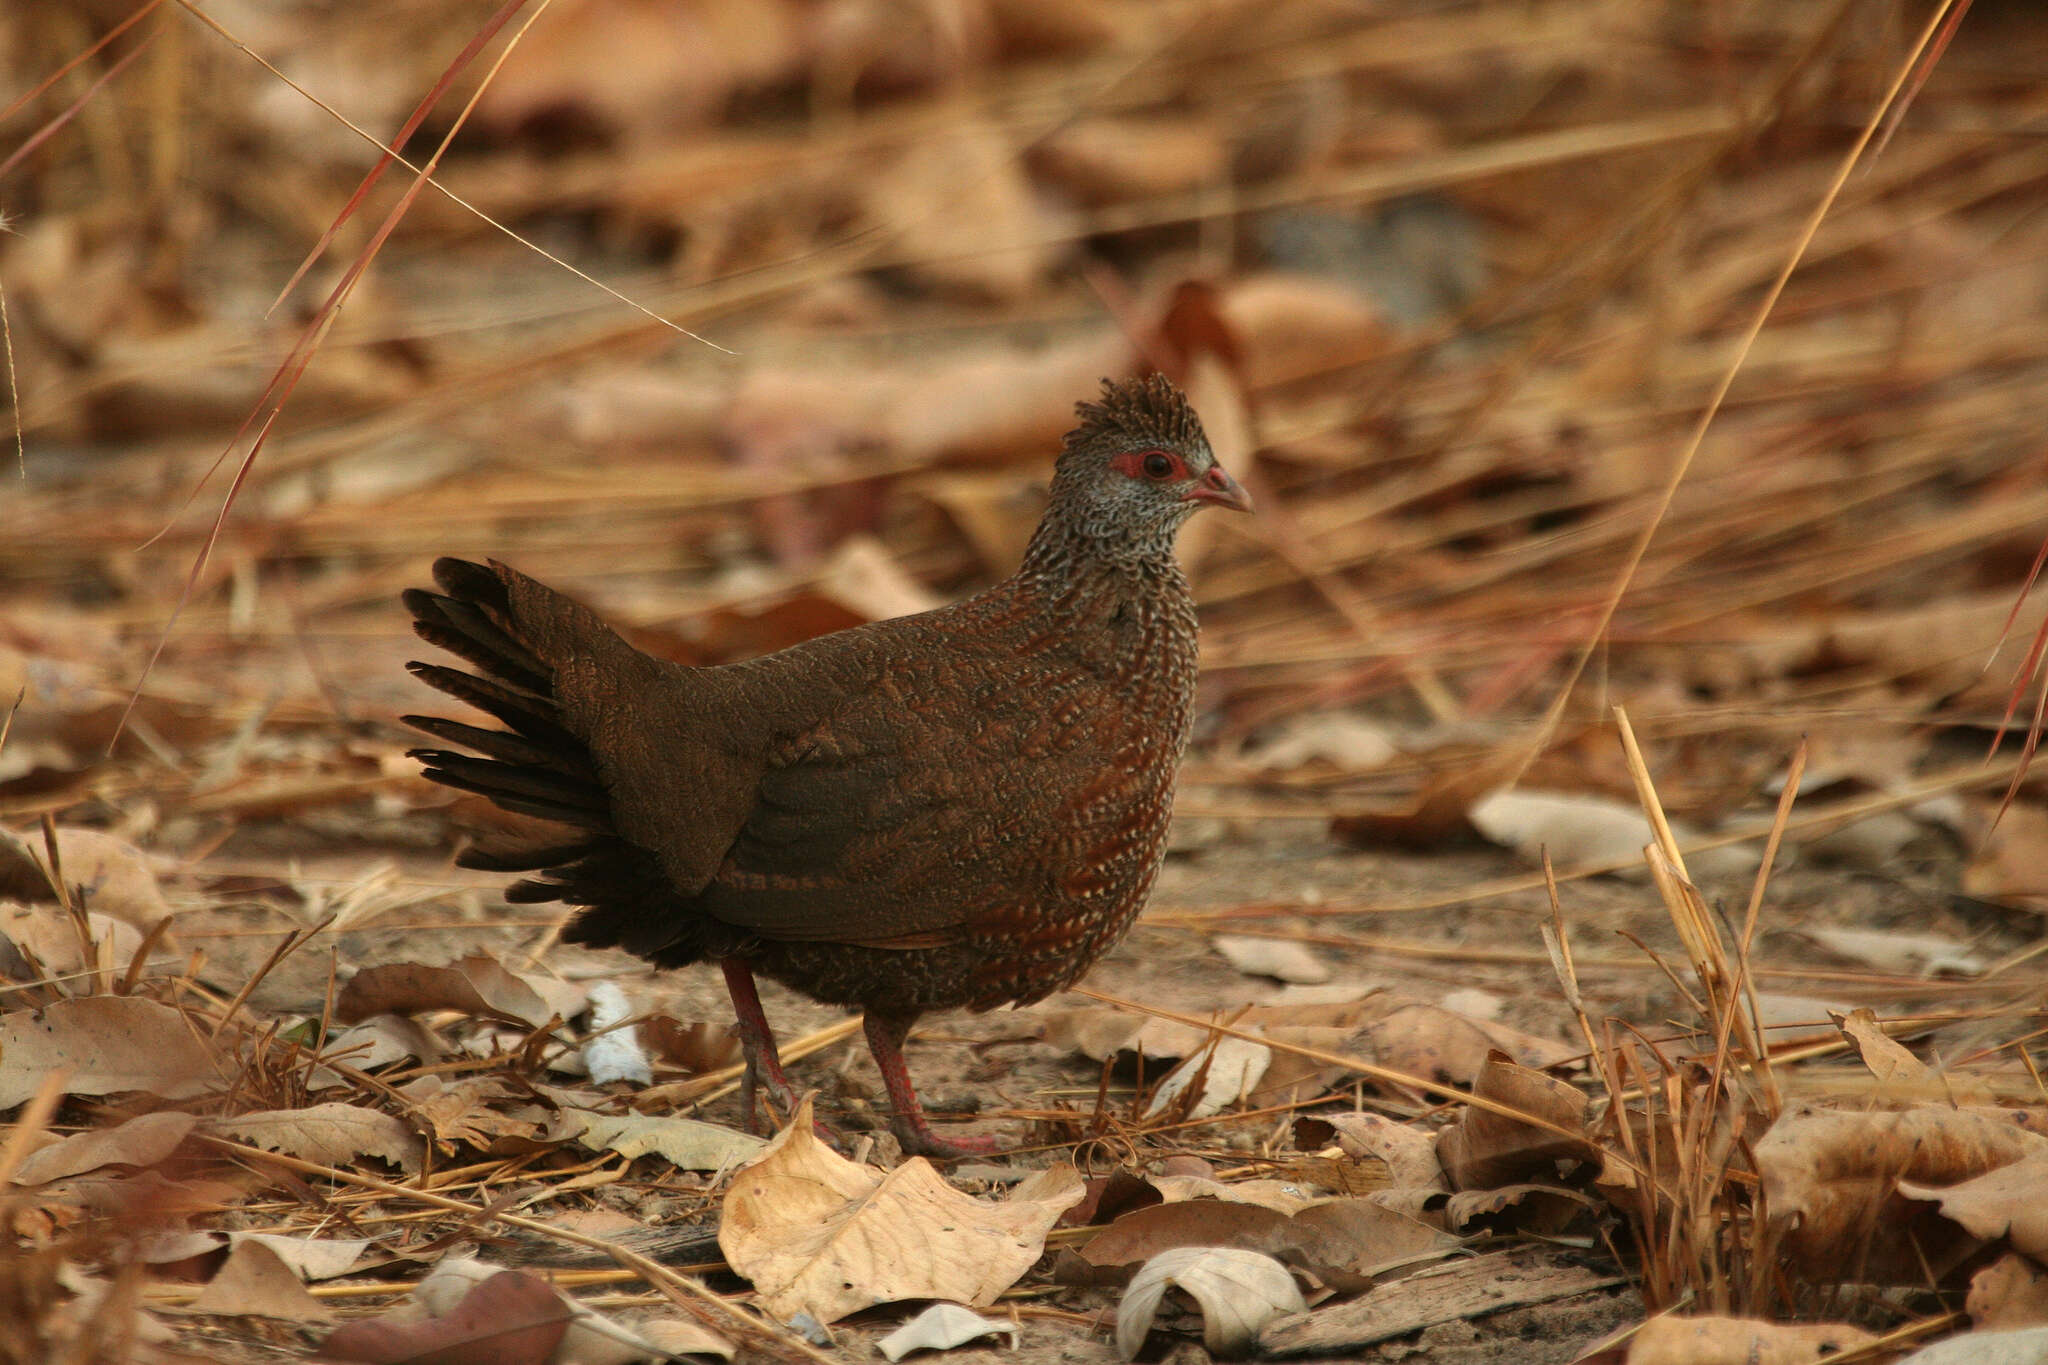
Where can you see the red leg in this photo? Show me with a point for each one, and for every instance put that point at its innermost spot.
(757, 1042)
(913, 1133)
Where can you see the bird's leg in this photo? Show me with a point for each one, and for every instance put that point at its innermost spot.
(757, 1042)
(914, 1134)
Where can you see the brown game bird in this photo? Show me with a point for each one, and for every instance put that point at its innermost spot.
(962, 808)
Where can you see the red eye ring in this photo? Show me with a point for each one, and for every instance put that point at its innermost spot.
(1158, 464)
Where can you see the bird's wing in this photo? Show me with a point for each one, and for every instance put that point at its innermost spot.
(918, 805)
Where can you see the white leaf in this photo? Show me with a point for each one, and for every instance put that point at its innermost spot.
(615, 1053)
(1234, 1069)
(1280, 958)
(1239, 1293)
(941, 1327)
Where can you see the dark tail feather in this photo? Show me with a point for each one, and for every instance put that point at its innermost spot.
(537, 766)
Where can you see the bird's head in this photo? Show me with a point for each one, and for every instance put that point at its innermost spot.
(1138, 466)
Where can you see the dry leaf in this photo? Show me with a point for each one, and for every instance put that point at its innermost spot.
(941, 1327)
(613, 1053)
(50, 935)
(590, 1339)
(817, 1234)
(1229, 1070)
(311, 1258)
(2027, 1347)
(1280, 958)
(1838, 1180)
(1901, 954)
(1739, 1341)
(109, 875)
(512, 1318)
(104, 1045)
(2011, 1292)
(687, 1144)
(1427, 1040)
(1334, 739)
(1239, 1293)
(478, 984)
(1408, 1151)
(2009, 1202)
(255, 1281)
(332, 1134)
(1345, 1235)
(1483, 1150)
(141, 1141)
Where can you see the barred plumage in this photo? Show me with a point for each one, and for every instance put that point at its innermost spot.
(959, 809)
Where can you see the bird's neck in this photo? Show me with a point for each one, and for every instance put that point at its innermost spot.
(1121, 608)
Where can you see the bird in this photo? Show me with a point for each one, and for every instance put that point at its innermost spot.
(959, 809)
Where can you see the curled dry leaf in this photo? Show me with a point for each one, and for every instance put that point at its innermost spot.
(941, 1327)
(1483, 1149)
(142, 1141)
(478, 984)
(255, 1281)
(1739, 1341)
(332, 1134)
(1836, 1181)
(818, 1234)
(2011, 1292)
(1239, 1293)
(104, 1045)
(686, 1144)
(695, 1048)
(511, 1318)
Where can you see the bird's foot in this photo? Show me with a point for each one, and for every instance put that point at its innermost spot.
(916, 1138)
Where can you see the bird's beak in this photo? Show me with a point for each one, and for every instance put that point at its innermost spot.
(1218, 489)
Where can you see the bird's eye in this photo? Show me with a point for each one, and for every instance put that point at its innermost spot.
(1158, 465)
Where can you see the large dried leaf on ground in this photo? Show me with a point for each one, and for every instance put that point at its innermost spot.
(478, 984)
(472, 1111)
(2010, 1202)
(108, 874)
(941, 1327)
(2011, 1292)
(964, 214)
(591, 1338)
(818, 1234)
(1834, 1180)
(104, 1045)
(142, 1141)
(1471, 1287)
(1739, 1341)
(255, 1281)
(1344, 1235)
(687, 1144)
(1239, 1292)
(512, 1318)
(332, 1134)
(1484, 1149)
